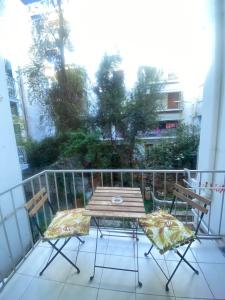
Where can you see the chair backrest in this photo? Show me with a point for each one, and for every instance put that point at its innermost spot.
(196, 201)
(37, 202)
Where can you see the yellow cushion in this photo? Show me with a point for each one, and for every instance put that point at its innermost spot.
(165, 231)
(68, 223)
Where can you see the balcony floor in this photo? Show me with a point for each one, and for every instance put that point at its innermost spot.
(60, 280)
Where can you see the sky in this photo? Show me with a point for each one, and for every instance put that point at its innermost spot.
(172, 35)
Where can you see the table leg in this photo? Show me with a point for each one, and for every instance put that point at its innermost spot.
(137, 240)
(96, 245)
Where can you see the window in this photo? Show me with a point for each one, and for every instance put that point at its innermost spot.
(173, 100)
(14, 108)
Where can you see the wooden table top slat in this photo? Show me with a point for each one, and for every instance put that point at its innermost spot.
(115, 208)
(118, 191)
(109, 198)
(124, 203)
(101, 205)
(117, 188)
(111, 194)
(117, 214)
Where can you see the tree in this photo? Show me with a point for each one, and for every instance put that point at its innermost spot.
(141, 110)
(178, 153)
(68, 100)
(110, 92)
(63, 95)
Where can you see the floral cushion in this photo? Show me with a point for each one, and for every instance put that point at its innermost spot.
(165, 231)
(68, 223)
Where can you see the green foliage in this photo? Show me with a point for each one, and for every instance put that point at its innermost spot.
(141, 110)
(110, 92)
(121, 116)
(68, 99)
(91, 151)
(44, 153)
(178, 153)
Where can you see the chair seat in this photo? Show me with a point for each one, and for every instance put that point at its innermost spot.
(68, 223)
(165, 231)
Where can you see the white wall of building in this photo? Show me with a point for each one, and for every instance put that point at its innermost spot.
(9, 161)
(14, 228)
(212, 139)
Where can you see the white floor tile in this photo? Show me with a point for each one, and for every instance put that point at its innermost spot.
(71, 292)
(34, 261)
(115, 279)
(41, 289)
(144, 246)
(215, 276)
(86, 263)
(90, 244)
(188, 284)
(112, 295)
(60, 268)
(208, 252)
(121, 246)
(152, 278)
(15, 287)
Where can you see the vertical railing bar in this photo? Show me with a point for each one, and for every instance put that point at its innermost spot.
(36, 215)
(7, 241)
(29, 225)
(200, 183)
(111, 178)
(121, 174)
(153, 183)
(212, 176)
(132, 179)
(17, 223)
(153, 189)
(142, 182)
(186, 213)
(44, 211)
(176, 179)
(82, 174)
(57, 191)
(102, 179)
(74, 190)
(92, 183)
(164, 188)
(65, 190)
(48, 191)
(222, 205)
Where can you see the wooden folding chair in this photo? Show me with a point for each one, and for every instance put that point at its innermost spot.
(64, 225)
(166, 232)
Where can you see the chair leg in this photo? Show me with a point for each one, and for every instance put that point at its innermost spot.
(147, 253)
(82, 241)
(59, 251)
(184, 259)
(181, 259)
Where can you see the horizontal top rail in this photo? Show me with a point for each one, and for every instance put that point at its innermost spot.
(132, 171)
(82, 171)
(23, 182)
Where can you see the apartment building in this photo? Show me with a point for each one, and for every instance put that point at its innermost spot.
(16, 108)
(170, 112)
(10, 164)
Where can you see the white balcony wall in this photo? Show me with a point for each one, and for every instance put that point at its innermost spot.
(14, 226)
(212, 141)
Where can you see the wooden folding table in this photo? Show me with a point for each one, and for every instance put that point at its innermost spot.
(131, 207)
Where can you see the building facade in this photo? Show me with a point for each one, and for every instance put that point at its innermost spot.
(17, 109)
(10, 175)
(212, 139)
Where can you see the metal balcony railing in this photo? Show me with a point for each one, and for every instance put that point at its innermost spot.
(73, 188)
